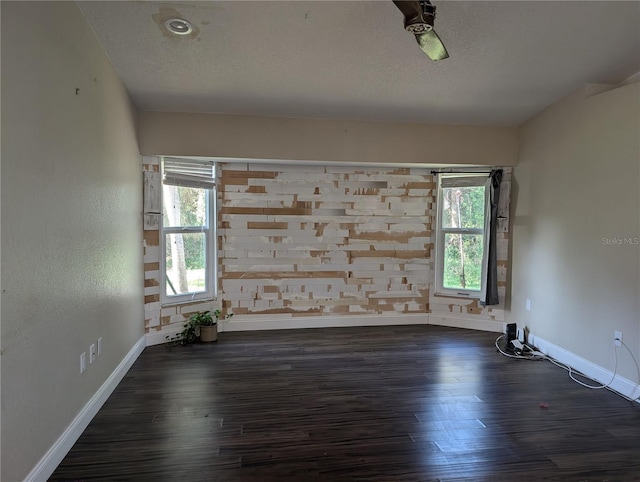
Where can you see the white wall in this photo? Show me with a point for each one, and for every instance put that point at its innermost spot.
(256, 137)
(577, 185)
(72, 265)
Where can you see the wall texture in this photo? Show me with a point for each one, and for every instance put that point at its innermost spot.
(71, 219)
(316, 246)
(323, 241)
(577, 224)
(255, 137)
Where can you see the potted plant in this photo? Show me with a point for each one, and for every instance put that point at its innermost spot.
(209, 326)
(206, 321)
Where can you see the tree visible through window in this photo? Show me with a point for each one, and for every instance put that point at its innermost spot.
(461, 241)
(188, 193)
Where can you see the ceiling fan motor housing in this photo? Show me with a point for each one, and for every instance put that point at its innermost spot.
(422, 22)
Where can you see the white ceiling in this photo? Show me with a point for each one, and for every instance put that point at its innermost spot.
(353, 59)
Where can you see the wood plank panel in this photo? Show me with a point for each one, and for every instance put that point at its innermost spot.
(326, 224)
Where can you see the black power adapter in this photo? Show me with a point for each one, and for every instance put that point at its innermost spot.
(511, 336)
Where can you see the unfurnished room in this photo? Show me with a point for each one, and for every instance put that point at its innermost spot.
(320, 240)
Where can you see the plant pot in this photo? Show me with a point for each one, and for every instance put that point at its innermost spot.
(209, 333)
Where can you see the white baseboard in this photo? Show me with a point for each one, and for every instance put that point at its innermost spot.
(258, 323)
(50, 461)
(468, 323)
(620, 384)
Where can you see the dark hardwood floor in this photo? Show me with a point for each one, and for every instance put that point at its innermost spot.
(408, 403)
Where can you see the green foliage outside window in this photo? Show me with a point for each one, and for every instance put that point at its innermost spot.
(191, 206)
(185, 252)
(472, 250)
(463, 207)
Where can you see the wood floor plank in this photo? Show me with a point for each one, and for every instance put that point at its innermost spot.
(402, 403)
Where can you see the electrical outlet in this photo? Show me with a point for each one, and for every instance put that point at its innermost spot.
(99, 346)
(528, 305)
(617, 338)
(92, 353)
(83, 362)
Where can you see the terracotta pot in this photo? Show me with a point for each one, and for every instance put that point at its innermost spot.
(208, 333)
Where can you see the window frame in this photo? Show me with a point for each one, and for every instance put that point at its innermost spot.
(210, 230)
(441, 232)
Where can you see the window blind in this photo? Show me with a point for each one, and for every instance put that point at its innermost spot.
(463, 181)
(189, 172)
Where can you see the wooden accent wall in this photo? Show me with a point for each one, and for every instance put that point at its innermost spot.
(151, 246)
(317, 241)
(300, 241)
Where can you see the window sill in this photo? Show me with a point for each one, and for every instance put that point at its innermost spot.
(457, 296)
(189, 302)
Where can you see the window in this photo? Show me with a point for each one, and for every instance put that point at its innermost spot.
(188, 230)
(462, 235)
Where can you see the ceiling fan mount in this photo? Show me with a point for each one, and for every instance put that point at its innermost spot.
(423, 20)
(418, 28)
(419, 17)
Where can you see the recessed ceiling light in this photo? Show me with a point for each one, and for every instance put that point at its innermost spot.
(179, 26)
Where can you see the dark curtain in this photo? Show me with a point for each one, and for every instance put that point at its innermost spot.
(491, 297)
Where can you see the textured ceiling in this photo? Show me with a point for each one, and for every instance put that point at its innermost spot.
(353, 59)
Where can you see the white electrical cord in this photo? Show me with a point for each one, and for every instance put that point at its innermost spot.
(536, 355)
(571, 372)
